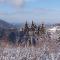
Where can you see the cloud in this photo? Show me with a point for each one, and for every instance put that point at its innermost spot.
(16, 3)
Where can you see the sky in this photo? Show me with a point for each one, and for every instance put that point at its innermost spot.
(18, 11)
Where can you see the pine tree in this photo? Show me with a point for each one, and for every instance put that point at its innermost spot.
(33, 28)
(26, 30)
(38, 31)
(12, 37)
(42, 29)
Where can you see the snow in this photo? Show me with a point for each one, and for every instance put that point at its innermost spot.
(48, 49)
(28, 53)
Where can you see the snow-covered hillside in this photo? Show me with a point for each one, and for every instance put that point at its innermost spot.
(27, 54)
(46, 48)
(54, 32)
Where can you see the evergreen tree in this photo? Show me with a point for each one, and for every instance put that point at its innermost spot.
(42, 29)
(33, 41)
(26, 28)
(1, 33)
(33, 26)
(29, 42)
(38, 31)
(12, 37)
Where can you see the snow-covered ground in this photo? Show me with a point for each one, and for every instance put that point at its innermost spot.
(28, 53)
(48, 49)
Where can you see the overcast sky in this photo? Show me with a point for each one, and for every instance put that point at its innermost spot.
(16, 11)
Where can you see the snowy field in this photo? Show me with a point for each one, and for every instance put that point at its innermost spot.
(27, 54)
(48, 49)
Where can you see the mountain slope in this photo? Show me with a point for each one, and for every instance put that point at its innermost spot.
(4, 24)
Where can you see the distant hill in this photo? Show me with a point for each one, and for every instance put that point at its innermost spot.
(4, 24)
